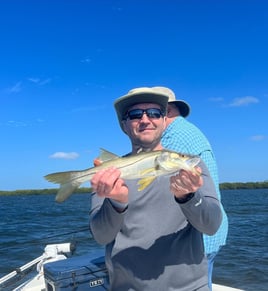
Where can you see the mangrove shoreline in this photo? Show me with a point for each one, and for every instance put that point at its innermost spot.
(223, 186)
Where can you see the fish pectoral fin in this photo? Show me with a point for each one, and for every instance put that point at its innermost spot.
(147, 171)
(145, 182)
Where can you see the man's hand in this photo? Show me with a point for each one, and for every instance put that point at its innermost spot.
(185, 182)
(97, 162)
(107, 183)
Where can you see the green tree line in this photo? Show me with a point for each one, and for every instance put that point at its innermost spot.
(42, 191)
(223, 186)
(246, 185)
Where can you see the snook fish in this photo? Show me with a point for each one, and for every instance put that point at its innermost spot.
(144, 166)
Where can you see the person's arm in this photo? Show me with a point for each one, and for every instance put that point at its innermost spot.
(200, 206)
(108, 205)
(105, 219)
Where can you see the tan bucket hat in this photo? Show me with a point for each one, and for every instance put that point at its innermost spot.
(140, 95)
(183, 106)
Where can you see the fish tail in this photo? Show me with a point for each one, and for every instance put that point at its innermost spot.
(68, 184)
(65, 191)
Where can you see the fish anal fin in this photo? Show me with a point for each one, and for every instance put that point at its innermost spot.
(145, 182)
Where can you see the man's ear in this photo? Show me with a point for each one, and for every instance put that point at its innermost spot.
(124, 126)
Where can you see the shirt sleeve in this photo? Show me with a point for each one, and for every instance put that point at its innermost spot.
(105, 220)
(203, 211)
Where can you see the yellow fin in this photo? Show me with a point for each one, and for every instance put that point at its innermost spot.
(145, 182)
(147, 171)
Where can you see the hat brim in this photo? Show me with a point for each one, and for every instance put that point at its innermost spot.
(183, 107)
(123, 103)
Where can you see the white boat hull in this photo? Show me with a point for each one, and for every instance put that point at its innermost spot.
(216, 287)
(53, 264)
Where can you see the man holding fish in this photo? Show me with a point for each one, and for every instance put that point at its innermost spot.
(152, 224)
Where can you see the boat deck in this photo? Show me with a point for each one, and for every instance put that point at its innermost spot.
(217, 287)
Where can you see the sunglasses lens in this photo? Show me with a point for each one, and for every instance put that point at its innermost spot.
(135, 114)
(150, 112)
(153, 113)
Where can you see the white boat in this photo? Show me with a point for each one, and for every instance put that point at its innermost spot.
(55, 271)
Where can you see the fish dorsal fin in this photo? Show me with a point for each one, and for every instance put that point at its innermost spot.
(106, 156)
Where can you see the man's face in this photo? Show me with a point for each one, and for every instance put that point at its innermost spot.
(145, 130)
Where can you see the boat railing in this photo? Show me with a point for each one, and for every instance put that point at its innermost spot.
(51, 252)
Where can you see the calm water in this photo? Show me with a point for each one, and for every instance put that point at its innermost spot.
(28, 223)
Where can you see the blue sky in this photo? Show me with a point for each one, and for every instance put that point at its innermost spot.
(63, 63)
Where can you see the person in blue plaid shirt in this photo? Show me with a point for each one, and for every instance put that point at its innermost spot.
(183, 136)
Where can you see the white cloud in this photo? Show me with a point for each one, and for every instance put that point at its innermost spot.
(243, 101)
(15, 89)
(63, 155)
(89, 108)
(86, 60)
(17, 123)
(216, 99)
(257, 137)
(39, 81)
(34, 80)
(44, 82)
(14, 123)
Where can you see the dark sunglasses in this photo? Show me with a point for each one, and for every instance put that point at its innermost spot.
(154, 113)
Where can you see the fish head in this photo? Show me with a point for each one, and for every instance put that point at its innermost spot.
(170, 161)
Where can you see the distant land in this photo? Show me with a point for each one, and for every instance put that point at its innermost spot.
(223, 186)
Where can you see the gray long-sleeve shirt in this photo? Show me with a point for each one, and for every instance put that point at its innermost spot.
(157, 244)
